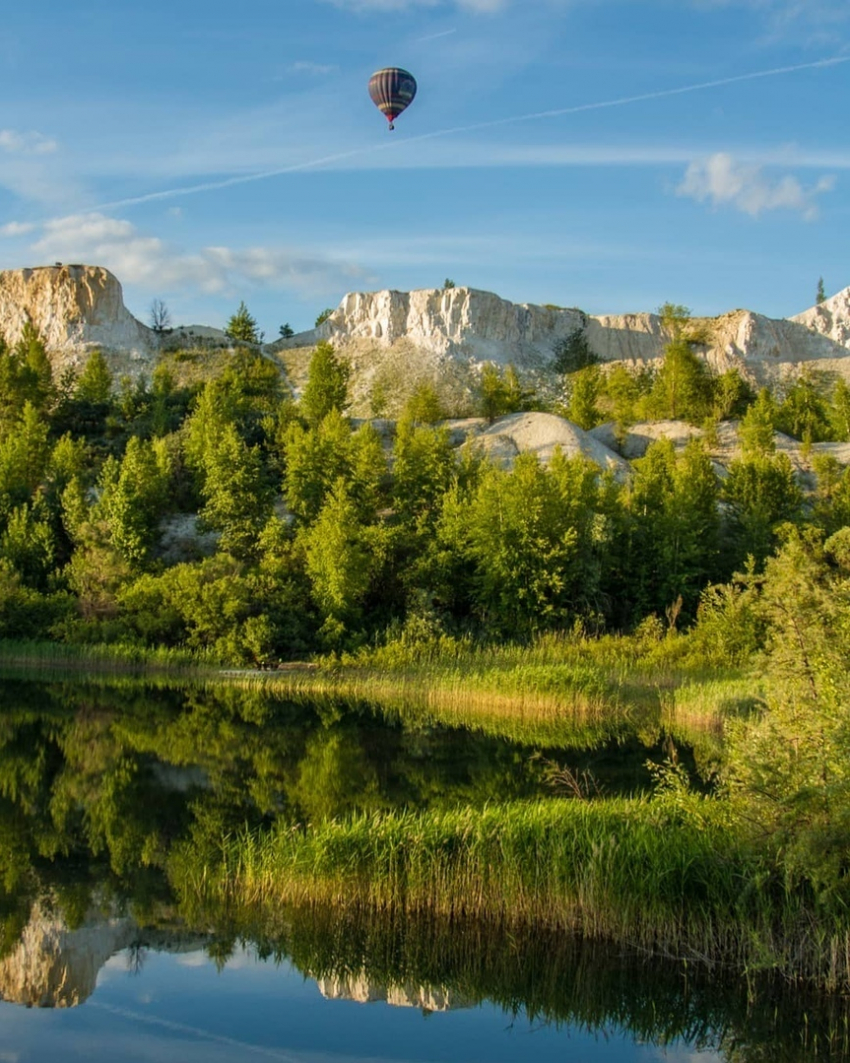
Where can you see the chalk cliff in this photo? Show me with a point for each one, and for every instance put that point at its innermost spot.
(467, 325)
(75, 309)
(78, 308)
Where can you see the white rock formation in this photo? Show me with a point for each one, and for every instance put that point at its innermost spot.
(455, 322)
(79, 308)
(55, 967)
(464, 324)
(540, 434)
(360, 988)
(75, 309)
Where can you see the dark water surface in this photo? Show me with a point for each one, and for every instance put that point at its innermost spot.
(101, 959)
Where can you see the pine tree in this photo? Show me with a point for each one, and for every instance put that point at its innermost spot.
(242, 328)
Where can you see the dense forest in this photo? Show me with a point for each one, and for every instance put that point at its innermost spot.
(314, 533)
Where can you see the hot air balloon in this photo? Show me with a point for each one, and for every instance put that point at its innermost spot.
(392, 90)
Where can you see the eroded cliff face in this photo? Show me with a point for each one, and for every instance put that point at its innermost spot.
(75, 309)
(453, 322)
(467, 325)
(55, 967)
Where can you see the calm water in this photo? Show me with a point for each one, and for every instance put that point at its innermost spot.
(100, 959)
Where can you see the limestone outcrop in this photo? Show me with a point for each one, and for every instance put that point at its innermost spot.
(78, 308)
(75, 309)
(463, 325)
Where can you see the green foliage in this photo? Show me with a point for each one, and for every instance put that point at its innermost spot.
(674, 318)
(820, 295)
(682, 390)
(788, 770)
(500, 392)
(323, 315)
(242, 327)
(423, 405)
(758, 426)
(573, 353)
(236, 492)
(327, 385)
(674, 527)
(761, 493)
(585, 388)
(94, 385)
(448, 284)
(804, 413)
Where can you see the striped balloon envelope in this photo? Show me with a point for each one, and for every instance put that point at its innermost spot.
(392, 90)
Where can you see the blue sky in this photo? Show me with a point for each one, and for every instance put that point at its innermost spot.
(212, 152)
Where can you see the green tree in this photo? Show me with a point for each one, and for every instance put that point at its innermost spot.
(323, 315)
(585, 388)
(327, 385)
(242, 327)
(674, 529)
(94, 384)
(134, 501)
(574, 352)
(683, 387)
(820, 296)
(423, 405)
(788, 768)
(236, 492)
(338, 564)
(761, 494)
(804, 413)
(758, 426)
(500, 392)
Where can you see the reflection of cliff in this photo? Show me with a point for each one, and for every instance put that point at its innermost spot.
(55, 967)
(360, 988)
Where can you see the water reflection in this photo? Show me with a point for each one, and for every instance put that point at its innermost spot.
(98, 783)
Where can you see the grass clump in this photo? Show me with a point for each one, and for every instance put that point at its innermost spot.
(671, 876)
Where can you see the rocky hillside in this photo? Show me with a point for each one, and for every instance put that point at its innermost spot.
(439, 333)
(432, 332)
(78, 308)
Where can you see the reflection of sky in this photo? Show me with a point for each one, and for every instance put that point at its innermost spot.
(179, 1009)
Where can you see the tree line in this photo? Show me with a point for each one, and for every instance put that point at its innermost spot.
(313, 532)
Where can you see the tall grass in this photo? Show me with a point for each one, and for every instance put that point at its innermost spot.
(31, 656)
(599, 688)
(639, 872)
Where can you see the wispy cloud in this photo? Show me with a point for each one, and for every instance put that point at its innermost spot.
(32, 143)
(722, 181)
(16, 228)
(483, 7)
(305, 66)
(154, 265)
(816, 19)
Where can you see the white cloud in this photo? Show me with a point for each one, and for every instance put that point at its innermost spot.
(722, 181)
(147, 261)
(16, 228)
(16, 143)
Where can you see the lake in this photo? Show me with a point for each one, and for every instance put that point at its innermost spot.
(101, 958)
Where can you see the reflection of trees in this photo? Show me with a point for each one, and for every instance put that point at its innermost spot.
(539, 976)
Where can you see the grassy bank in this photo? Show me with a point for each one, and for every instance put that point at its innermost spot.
(35, 656)
(596, 689)
(669, 880)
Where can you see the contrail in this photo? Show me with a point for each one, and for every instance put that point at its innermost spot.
(620, 101)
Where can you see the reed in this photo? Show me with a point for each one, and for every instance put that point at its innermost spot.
(113, 657)
(639, 872)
